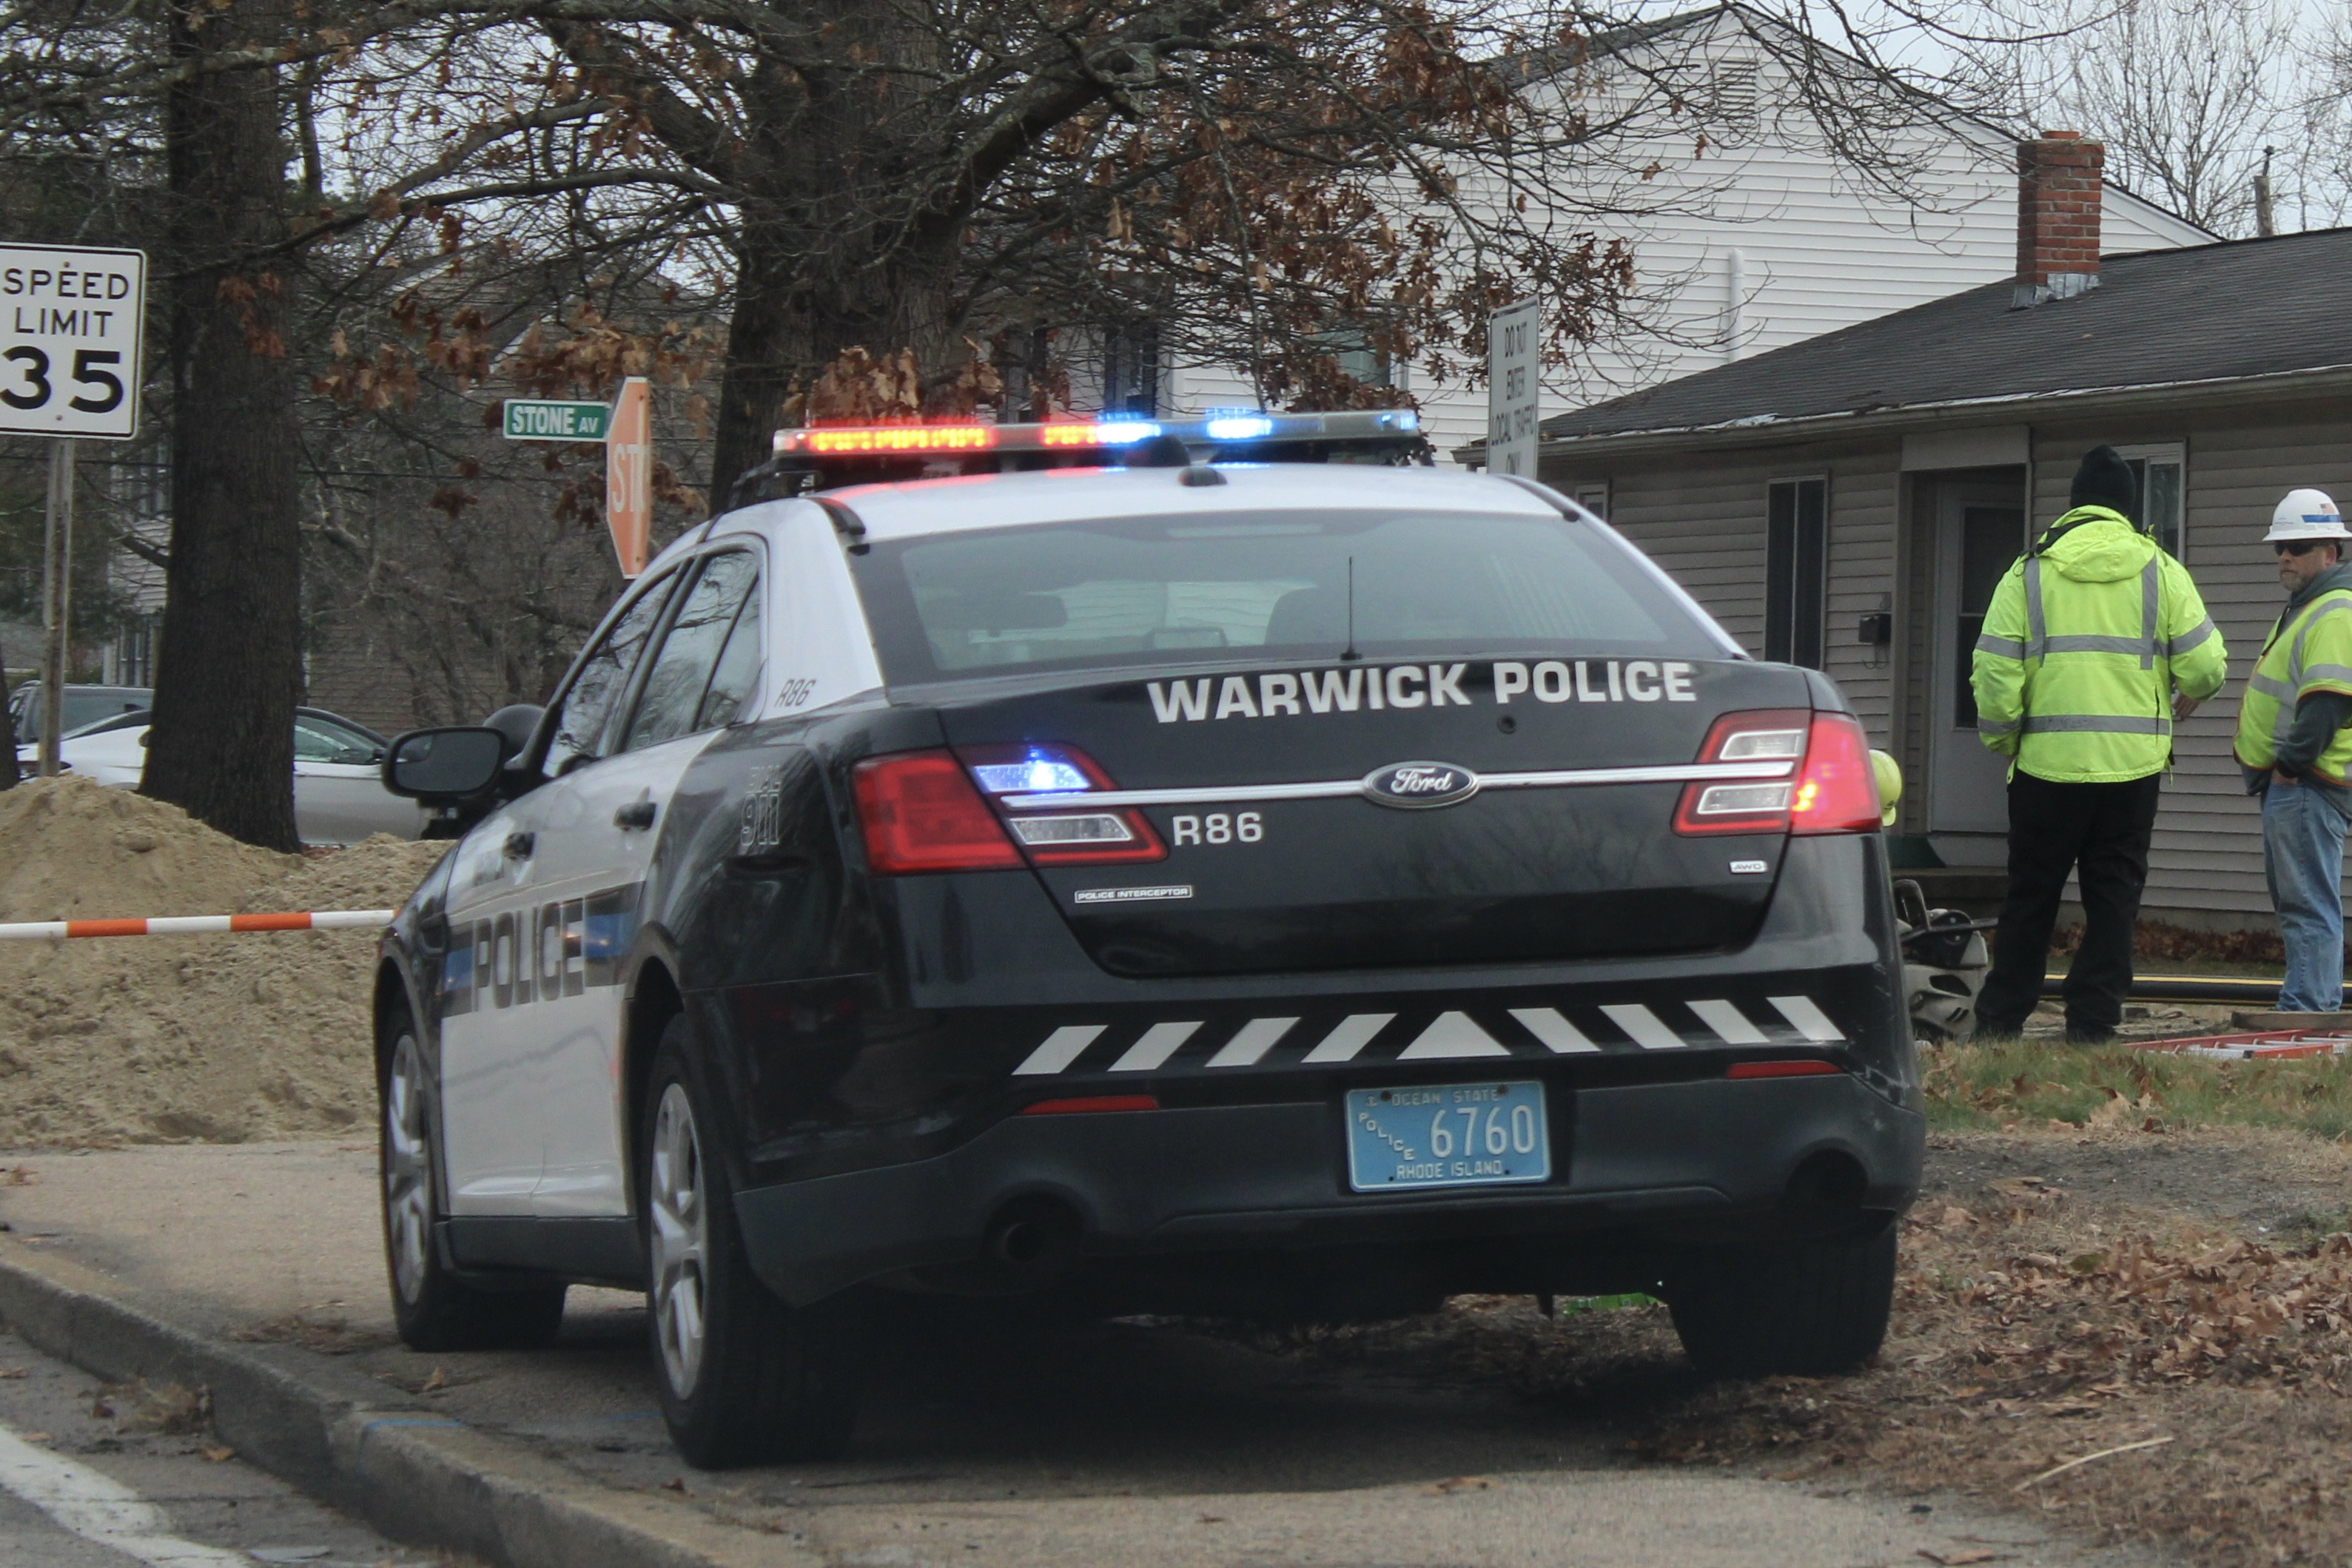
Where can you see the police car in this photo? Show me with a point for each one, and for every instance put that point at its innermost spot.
(1292, 890)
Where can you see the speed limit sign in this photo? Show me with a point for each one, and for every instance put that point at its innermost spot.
(70, 321)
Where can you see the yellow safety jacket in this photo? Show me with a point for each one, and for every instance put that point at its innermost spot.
(2309, 650)
(2085, 639)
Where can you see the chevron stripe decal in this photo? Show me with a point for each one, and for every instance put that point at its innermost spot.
(1462, 1034)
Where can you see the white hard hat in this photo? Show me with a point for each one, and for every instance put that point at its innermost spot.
(2306, 515)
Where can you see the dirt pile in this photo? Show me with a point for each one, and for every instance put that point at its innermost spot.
(226, 1039)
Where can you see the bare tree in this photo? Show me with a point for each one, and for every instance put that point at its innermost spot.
(2197, 100)
(229, 667)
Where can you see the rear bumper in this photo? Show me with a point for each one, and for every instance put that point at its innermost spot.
(1639, 1169)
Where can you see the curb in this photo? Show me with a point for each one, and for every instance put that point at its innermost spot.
(411, 1473)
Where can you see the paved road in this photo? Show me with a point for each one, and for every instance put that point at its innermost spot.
(1002, 1437)
(79, 1489)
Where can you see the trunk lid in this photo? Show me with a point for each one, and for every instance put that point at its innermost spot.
(1281, 859)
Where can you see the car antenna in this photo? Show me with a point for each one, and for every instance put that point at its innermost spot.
(1349, 654)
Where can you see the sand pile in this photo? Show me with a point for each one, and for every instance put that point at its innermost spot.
(156, 1038)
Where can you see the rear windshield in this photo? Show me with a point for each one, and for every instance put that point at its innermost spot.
(1180, 589)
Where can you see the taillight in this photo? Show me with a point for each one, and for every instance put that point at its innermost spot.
(1772, 743)
(1069, 834)
(1836, 792)
(921, 813)
(1811, 776)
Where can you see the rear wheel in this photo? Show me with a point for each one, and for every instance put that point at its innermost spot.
(1804, 1307)
(745, 1379)
(433, 1308)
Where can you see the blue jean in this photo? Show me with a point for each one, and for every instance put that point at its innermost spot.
(2303, 854)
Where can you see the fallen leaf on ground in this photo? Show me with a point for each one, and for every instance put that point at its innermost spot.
(1973, 1555)
(36, 1436)
(1462, 1483)
(217, 1455)
(675, 1484)
(9, 1374)
(434, 1383)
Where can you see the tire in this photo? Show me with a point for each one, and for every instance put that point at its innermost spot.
(434, 1309)
(1807, 1309)
(744, 1379)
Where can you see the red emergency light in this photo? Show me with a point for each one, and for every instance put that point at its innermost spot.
(888, 439)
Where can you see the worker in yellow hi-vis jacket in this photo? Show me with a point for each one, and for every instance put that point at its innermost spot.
(2294, 742)
(2096, 642)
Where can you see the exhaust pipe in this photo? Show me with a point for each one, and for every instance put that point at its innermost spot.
(1035, 1238)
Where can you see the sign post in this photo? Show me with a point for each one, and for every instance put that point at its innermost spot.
(629, 474)
(72, 322)
(57, 568)
(1514, 389)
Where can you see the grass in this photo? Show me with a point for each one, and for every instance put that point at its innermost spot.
(2005, 1084)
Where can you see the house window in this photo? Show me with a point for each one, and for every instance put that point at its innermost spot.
(1595, 498)
(1131, 371)
(1796, 562)
(2158, 469)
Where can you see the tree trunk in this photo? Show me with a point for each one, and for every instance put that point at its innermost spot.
(822, 262)
(788, 325)
(228, 672)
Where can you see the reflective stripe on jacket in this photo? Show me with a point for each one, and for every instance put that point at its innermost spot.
(2309, 650)
(2082, 646)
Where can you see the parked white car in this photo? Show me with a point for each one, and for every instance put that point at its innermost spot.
(339, 793)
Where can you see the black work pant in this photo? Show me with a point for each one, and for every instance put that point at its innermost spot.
(2055, 829)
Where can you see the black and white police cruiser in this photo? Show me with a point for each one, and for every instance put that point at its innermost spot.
(1294, 889)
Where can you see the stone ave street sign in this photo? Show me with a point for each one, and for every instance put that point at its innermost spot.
(70, 323)
(546, 419)
(1514, 390)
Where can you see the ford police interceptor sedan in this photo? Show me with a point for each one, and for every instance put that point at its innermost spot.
(1295, 892)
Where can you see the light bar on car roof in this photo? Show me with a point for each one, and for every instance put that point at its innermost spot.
(1217, 430)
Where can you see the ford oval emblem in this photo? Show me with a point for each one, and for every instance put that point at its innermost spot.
(1414, 784)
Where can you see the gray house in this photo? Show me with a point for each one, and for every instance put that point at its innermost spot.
(1850, 502)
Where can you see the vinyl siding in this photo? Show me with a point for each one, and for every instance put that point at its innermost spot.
(1818, 250)
(1700, 515)
(1702, 520)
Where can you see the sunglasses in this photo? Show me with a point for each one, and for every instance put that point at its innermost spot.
(2299, 547)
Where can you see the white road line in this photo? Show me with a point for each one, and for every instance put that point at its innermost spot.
(98, 1508)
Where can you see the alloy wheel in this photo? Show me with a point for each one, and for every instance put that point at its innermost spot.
(680, 1234)
(407, 1169)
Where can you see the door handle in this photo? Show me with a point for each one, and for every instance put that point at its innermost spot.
(519, 845)
(634, 816)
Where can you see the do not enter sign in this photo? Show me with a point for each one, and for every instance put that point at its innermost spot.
(70, 325)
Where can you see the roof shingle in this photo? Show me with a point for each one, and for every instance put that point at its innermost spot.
(2217, 313)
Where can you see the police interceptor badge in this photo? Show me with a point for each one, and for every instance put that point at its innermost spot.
(1414, 786)
(1131, 895)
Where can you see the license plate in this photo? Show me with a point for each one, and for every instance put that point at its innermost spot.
(1447, 1135)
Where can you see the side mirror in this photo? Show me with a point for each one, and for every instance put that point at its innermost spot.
(448, 765)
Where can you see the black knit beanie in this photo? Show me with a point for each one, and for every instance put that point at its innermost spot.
(2106, 480)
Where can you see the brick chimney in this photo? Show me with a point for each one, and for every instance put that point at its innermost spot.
(2059, 189)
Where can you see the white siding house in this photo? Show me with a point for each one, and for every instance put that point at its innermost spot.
(1765, 237)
